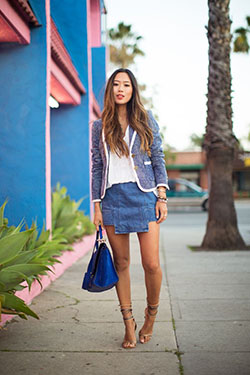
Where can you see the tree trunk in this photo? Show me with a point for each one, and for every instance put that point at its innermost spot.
(222, 231)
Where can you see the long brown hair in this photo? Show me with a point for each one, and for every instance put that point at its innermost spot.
(136, 113)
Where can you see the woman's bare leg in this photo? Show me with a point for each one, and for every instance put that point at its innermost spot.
(149, 246)
(120, 247)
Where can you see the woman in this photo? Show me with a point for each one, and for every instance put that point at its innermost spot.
(129, 184)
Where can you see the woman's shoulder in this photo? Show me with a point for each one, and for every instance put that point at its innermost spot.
(97, 123)
(152, 121)
(96, 129)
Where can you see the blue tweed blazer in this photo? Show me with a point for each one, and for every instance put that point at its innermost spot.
(150, 172)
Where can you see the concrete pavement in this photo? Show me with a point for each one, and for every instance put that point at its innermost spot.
(204, 315)
(81, 331)
(210, 297)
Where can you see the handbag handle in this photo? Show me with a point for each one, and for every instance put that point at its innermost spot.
(100, 231)
(99, 240)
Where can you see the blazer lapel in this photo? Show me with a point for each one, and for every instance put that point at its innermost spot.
(132, 135)
(106, 147)
(131, 131)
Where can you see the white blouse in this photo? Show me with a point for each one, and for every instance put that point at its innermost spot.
(120, 168)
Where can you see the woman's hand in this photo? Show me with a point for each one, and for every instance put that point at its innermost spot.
(98, 217)
(161, 211)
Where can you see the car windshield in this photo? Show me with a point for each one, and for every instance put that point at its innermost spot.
(184, 185)
(192, 185)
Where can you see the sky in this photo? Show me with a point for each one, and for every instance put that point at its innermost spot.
(175, 65)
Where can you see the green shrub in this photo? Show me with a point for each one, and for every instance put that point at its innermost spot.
(68, 223)
(25, 256)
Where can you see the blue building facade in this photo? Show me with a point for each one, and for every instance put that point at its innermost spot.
(48, 50)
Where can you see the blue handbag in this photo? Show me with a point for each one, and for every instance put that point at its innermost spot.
(101, 274)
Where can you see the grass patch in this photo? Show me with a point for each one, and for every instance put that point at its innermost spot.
(178, 354)
(199, 248)
(173, 322)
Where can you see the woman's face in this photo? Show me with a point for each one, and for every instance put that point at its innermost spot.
(122, 88)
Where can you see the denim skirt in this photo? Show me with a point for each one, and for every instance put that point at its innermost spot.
(128, 208)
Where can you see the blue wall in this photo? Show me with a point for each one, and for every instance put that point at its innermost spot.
(22, 129)
(99, 73)
(70, 124)
(23, 116)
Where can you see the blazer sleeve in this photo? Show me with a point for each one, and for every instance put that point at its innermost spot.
(97, 163)
(157, 154)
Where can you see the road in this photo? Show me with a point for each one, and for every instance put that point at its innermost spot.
(195, 217)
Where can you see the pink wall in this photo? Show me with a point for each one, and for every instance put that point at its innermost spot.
(47, 121)
(94, 40)
(95, 13)
(91, 117)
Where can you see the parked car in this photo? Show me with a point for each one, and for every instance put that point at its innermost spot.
(186, 193)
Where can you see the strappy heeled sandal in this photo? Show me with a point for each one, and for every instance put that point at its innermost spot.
(150, 313)
(125, 309)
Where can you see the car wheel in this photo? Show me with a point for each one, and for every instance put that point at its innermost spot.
(205, 205)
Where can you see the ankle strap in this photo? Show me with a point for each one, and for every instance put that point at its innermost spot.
(128, 317)
(155, 306)
(152, 309)
(127, 308)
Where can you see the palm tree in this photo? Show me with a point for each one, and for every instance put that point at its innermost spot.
(241, 43)
(197, 140)
(124, 45)
(220, 143)
(123, 50)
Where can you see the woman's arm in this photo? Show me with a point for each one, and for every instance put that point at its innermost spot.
(158, 164)
(161, 209)
(97, 164)
(98, 216)
(96, 174)
(157, 154)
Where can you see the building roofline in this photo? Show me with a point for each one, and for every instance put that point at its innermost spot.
(24, 9)
(62, 58)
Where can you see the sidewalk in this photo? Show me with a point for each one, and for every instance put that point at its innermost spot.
(81, 332)
(210, 298)
(208, 293)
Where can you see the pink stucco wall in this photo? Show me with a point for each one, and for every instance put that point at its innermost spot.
(47, 121)
(95, 27)
(89, 32)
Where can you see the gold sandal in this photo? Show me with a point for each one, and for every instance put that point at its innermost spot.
(124, 310)
(150, 313)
